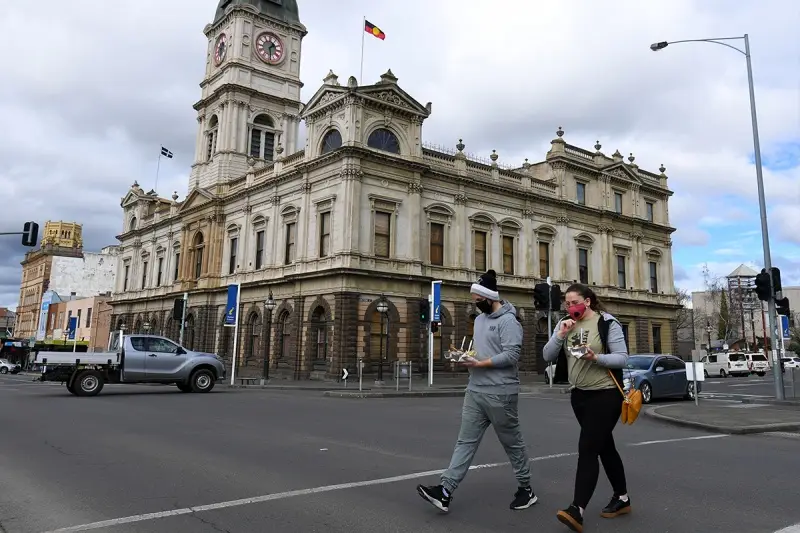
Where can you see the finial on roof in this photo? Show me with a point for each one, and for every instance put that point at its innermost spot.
(460, 146)
(616, 154)
(560, 132)
(152, 192)
(662, 168)
(388, 77)
(352, 82)
(135, 185)
(331, 78)
(526, 165)
(597, 145)
(631, 158)
(494, 156)
(174, 196)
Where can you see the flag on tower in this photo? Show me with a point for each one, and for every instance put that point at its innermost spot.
(374, 30)
(166, 153)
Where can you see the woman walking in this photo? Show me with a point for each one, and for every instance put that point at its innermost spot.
(596, 400)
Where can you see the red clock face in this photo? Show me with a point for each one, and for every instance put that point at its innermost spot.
(269, 48)
(220, 49)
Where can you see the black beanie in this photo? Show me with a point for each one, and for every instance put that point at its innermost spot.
(487, 286)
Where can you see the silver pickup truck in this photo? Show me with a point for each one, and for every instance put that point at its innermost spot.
(133, 359)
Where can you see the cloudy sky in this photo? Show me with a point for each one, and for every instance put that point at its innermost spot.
(90, 93)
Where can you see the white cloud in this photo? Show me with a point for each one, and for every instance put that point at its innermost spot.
(91, 110)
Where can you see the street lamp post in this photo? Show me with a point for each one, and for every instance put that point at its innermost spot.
(269, 305)
(383, 309)
(708, 330)
(762, 204)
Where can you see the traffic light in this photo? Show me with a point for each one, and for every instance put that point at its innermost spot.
(776, 279)
(540, 295)
(434, 327)
(555, 297)
(30, 234)
(763, 289)
(424, 311)
(782, 306)
(177, 309)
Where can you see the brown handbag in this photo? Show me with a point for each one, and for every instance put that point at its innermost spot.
(631, 402)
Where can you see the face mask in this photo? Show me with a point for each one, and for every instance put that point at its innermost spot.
(576, 312)
(485, 306)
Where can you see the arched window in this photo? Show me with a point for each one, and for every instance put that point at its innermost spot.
(331, 141)
(385, 140)
(378, 338)
(284, 335)
(197, 251)
(132, 225)
(211, 137)
(262, 137)
(320, 335)
(253, 332)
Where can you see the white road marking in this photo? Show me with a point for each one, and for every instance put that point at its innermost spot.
(701, 437)
(327, 488)
(791, 529)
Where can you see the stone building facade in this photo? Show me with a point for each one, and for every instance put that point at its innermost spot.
(366, 209)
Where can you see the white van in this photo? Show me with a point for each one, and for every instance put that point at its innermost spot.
(758, 363)
(724, 364)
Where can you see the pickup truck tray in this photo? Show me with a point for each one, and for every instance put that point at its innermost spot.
(72, 358)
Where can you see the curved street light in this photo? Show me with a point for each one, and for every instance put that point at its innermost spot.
(383, 309)
(762, 204)
(269, 305)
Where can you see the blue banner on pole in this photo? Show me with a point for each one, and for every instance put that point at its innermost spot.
(231, 309)
(785, 327)
(437, 301)
(72, 327)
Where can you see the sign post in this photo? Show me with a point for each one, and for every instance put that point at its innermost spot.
(695, 372)
(344, 377)
(436, 316)
(550, 368)
(232, 320)
(72, 327)
(183, 316)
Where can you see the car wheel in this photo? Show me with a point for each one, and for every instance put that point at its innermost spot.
(184, 387)
(689, 391)
(202, 380)
(761, 374)
(88, 383)
(705, 373)
(3, 370)
(723, 374)
(647, 392)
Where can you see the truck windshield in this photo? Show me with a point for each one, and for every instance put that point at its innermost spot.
(758, 357)
(736, 357)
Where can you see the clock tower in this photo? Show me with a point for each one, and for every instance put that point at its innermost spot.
(250, 101)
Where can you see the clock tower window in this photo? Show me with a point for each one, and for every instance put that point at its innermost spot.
(262, 137)
(211, 137)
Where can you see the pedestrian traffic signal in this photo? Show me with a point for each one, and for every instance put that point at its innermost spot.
(555, 297)
(776, 279)
(30, 234)
(177, 309)
(782, 306)
(763, 288)
(424, 311)
(434, 327)
(541, 293)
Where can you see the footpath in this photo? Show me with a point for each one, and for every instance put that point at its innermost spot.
(732, 418)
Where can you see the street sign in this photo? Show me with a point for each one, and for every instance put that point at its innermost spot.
(436, 291)
(345, 374)
(72, 327)
(785, 327)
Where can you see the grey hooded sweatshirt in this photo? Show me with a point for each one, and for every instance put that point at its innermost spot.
(497, 336)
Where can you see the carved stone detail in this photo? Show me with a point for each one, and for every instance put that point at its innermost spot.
(461, 198)
(604, 228)
(528, 213)
(351, 173)
(391, 98)
(414, 188)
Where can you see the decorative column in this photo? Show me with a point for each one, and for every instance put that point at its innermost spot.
(351, 176)
(527, 242)
(304, 222)
(415, 251)
(561, 255)
(642, 273)
(462, 231)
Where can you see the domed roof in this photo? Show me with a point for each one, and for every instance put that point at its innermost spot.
(282, 10)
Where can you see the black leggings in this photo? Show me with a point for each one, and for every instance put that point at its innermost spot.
(597, 412)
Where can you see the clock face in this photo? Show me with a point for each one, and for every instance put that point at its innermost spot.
(220, 49)
(269, 48)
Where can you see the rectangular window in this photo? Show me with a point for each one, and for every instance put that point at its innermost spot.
(649, 206)
(625, 333)
(544, 259)
(437, 244)
(69, 316)
(581, 193)
(177, 273)
(324, 234)
(653, 277)
(160, 272)
(480, 251)
(232, 259)
(259, 249)
(291, 234)
(656, 339)
(618, 202)
(508, 255)
(583, 265)
(144, 274)
(78, 322)
(621, 277)
(126, 278)
(255, 143)
(383, 226)
(89, 317)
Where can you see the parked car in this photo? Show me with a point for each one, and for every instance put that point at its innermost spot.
(724, 364)
(658, 376)
(7, 367)
(757, 362)
(790, 362)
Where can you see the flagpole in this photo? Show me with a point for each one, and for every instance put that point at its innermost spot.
(158, 168)
(234, 358)
(363, 32)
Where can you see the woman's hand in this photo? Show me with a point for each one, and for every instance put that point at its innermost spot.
(566, 327)
(589, 355)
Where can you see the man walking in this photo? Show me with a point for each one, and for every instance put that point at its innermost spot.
(491, 398)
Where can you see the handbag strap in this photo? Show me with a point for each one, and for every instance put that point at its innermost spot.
(624, 396)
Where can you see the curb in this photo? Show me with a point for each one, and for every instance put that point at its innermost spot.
(729, 430)
(396, 394)
(772, 402)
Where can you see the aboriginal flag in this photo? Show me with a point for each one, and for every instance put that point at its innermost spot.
(374, 30)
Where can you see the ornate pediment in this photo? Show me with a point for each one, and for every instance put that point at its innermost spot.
(621, 171)
(196, 198)
(385, 95)
(326, 96)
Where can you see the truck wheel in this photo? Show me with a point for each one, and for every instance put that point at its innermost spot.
(3, 370)
(202, 380)
(88, 383)
(184, 387)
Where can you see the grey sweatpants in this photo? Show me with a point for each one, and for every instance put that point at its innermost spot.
(479, 411)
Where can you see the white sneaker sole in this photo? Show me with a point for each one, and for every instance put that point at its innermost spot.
(533, 500)
(433, 501)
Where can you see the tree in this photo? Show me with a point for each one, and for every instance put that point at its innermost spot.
(724, 319)
(713, 308)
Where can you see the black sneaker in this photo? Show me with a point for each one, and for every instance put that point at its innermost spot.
(571, 517)
(523, 498)
(616, 507)
(435, 496)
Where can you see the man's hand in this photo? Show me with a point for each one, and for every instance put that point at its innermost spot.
(566, 327)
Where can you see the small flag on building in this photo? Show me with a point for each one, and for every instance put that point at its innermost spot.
(374, 30)
(166, 153)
